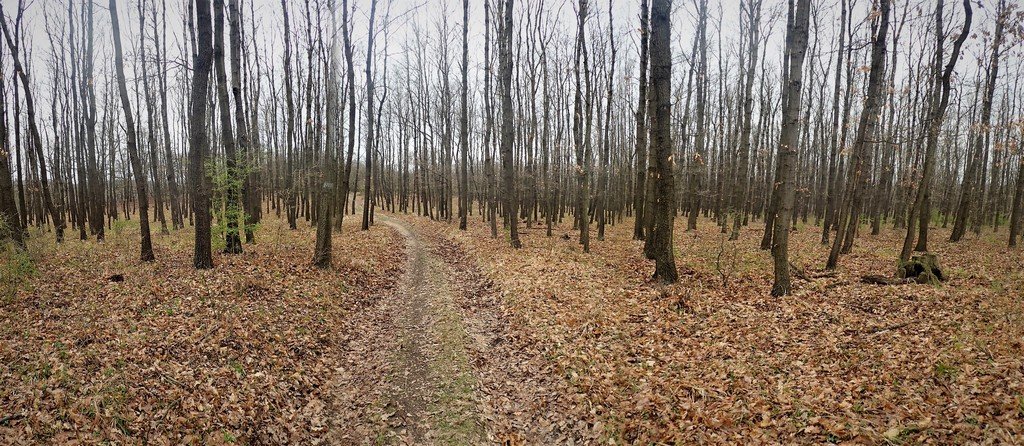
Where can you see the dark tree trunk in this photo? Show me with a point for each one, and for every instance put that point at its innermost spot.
(464, 123)
(640, 187)
(659, 243)
(857, 178)
(940, 101)
(146, 254)
(232, 239)
(51, 208)
(369, 121)
(199, 140)
(785, 182)
(507, 130)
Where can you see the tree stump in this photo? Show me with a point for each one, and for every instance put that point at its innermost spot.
(923, 269)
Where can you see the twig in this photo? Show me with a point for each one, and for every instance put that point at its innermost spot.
(208, 333)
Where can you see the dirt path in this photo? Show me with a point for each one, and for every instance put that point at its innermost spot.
(432, 383)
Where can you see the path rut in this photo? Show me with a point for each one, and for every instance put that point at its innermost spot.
(432, 399)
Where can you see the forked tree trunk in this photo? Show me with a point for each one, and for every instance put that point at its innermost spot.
(940, 102)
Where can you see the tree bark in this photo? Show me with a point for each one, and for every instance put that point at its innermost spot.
(507, 130)
(939, 103)
(369, 120)
(659, 241)
(199, 140)
(640, 187)
(857, 178)
(796, 49)
(146, 254)
(53, 209)
(464, 123)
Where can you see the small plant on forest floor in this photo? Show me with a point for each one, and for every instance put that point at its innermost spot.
(16, 265)
(944, 371)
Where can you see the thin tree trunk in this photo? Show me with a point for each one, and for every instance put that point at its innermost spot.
(146, 254)
(785, 182)
(507, 131)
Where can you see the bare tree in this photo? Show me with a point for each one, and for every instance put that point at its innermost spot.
(940, 101)
(659, 242)
(52, 208)
(640, 150)
(322, 251)
(138, 170)
(464, 123)
(199, 140)
(507, 129)
(369, 119)
(857, 176)
(792, 87)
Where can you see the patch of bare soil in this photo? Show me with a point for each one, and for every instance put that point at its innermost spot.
(431, 397)
(521, 398)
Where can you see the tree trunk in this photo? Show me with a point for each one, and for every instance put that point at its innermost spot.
(322, 251)
(640, 187)
(199, 140)
(856, 178)
(507, 131)
(36, 139)
(659, 241)
(464, 123)
(369, 120)
(146, 254)
(975, 169)
(796, 49)
(940, 101)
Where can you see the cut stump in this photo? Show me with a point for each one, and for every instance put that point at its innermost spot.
(923, 269)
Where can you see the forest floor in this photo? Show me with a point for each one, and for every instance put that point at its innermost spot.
(423, 334)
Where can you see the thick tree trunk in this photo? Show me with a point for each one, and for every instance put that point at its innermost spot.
(322, 251)
(660, 240)
(199, 140)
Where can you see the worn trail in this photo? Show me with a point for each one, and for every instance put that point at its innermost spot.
(432, 398)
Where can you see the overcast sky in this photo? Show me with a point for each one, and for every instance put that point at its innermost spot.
(428, 16)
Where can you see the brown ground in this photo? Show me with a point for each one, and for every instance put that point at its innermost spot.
(423, 334)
